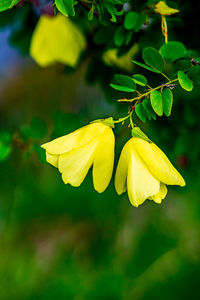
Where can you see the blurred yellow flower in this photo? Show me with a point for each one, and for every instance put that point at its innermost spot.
(74, 154)
(56, 39)
(124, 62)
(144, 170)
(163, 9)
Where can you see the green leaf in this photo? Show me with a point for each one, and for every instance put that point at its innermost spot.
(5, 145)
(119, 36)
(130, 20)
(128, 37)
(140, 112)
(91, 13)
(173, 50)
(4, 4)
(183, 64)
(145, 66)
(194, 74)
(167, 101)
(156, 102)
(14, 2)
(140, 21)
(4, 152)
(140, 79)
(66, 7)
(148, 108)
(121, 88)
(138, 133)
(184, 81)
(125, 81)
(153, 58)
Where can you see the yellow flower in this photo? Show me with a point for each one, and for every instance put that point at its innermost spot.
(56, 39)
(144, 170)
(74, 154)
(163, 9)
(124, 62)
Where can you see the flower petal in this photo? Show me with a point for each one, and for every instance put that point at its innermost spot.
(52, 159)
(141, 184)
(158, 163)
(103, 161)
(121, 172)
(74, 165)
(75, 139)
(160, 195)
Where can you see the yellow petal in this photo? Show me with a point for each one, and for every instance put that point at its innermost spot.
(78, 138)
(121, 172)
(52, 159)
(140, 182)
(158, 163)
(56, 39)
(74, 165)
(103, 161)
(160, 195)
(163, 9)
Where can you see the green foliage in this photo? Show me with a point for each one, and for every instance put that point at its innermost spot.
(146, 67)
(131, 19)
(140, 79)
(156, 102)
(194, 74)
(5, 145)
(140, 112)
(173, 50)
(66, 7)
(148, 109)
(153, 58)
(183, 64)
(119, 36)
(6, 4)
(36, 130)
(184, 81)
(126, 83)
(167, 101)
(137, 132)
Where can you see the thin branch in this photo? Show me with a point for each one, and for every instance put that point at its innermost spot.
(86, 6)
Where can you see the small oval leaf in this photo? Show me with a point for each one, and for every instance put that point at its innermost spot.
(156, 102)
(184, 81)
(125, 81)
(148, 108)
(153, 58)
(173, 50)
(145, 66)
(140, 79)
(119, 36)
(121, 88)
(66, 7)
(167, 100)
(140, 112)
(130, 20)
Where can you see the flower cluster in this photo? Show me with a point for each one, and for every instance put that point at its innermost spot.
(143, 169)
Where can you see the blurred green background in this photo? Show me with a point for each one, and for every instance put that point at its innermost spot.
(60, 242)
